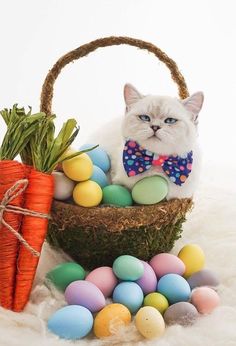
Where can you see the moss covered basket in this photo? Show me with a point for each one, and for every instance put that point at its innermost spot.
(96, 236)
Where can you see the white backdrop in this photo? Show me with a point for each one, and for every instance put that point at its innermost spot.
(199, 36)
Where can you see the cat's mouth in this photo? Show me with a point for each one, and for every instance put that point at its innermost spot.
(155, 135)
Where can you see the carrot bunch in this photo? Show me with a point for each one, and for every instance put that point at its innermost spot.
(42, 154)
(17, 136)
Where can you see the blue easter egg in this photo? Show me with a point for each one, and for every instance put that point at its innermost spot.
(174, 287)
(129, 294)
(71, 322)
(99, 176)
(98, 156)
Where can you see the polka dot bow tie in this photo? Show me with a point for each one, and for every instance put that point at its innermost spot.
(137, 160)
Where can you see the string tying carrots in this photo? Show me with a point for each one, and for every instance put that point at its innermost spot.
(11, 194)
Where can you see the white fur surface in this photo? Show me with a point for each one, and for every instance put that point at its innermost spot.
(212, 225)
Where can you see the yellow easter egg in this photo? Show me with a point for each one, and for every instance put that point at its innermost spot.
(193, 258)
(110, 319)
(149, 322)
(156, 300)
(80, 168)
(87, 194)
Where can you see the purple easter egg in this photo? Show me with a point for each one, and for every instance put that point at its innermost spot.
(86, 294)
(148, 280)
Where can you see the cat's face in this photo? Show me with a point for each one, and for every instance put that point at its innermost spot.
(161, 124)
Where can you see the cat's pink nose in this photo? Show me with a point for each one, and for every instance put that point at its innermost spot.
(155, 128)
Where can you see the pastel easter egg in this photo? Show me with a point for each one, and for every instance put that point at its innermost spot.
(165, 263)
(63, 274)
(128, 294)
(71, 322)
(117, 195)
(128, 267)
(87, 194)
(98, 156)
(63, 186)
(150, 190)
(174, 287)
(150, 322)
(204, 277)
(205, 299)
(80, 168)
(157, 301)
(85, 293)
(110, 319)
(104, 279)
(148, 281)
(99, 177)
(182, 313)
(193, 258)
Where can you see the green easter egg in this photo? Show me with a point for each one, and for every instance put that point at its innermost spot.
(117, 195)
(150, 190)
(128, 268)
(157, 300)
(63, 274)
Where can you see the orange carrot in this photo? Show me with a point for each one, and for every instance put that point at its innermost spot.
(10, 173)
(38, 197)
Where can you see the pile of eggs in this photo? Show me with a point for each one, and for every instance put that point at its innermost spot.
(168, 290)
(84, 178)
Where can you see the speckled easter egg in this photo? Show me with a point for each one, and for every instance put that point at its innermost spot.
(104, 279)
(85, 293)
(63, 274)
(71, 322)
(128, 268)
(149, 322)
(63, 186)
(128, 294)
(165, 263)
(205, 299)
(98, 156)
(99, 177)
(157, 301)
(204, 277)
(150, 190)
(117, 195)
(79, 168)
(87, 194)
(148, 281)
(174, 287)
(182, 313)
(193, 258)
(110, 319)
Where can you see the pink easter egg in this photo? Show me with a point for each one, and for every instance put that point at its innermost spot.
(165, 263)
(148, 281)
(104, 279)
(205, 299)
(85, 293)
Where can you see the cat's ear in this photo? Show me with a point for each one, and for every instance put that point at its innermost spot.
(131, 94)
(193, 104)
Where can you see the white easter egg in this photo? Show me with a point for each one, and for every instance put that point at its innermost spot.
(63, 186)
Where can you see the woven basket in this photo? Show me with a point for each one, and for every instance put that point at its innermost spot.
(96, 236)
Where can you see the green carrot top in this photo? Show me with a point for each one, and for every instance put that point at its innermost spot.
(33, 137)
(19, 131)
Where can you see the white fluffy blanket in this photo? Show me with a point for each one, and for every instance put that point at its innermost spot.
(212, 225)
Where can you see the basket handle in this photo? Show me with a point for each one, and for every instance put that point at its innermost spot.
(48, 85)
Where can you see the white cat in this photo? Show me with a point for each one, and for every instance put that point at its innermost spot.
(162, 125)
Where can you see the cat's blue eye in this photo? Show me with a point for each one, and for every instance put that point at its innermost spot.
(170, 120)
(144, 117)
